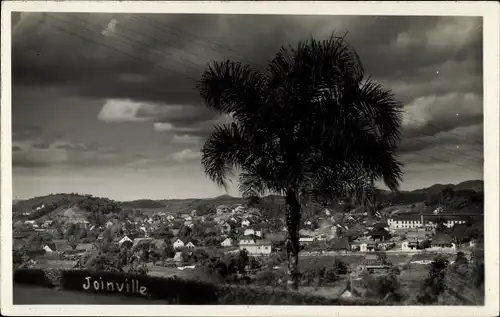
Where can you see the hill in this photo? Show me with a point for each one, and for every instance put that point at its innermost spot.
(421, 195)
(142, 204)
(55, 204)
(272, 204)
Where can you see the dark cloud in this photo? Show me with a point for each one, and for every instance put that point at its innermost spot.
(142, 69)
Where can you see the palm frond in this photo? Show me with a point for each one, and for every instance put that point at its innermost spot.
(225, 150)
(233, 88)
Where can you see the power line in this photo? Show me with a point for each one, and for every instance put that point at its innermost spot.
(116, 50)
(140, 45)
(232, 50)
(157, 66)
(196, 40)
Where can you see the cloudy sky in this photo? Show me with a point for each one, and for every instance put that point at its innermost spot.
(105, 103)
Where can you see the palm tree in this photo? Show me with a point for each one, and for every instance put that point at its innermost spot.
(364, 194)
(309, 127)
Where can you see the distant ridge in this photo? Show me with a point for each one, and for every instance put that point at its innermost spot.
(189, 204)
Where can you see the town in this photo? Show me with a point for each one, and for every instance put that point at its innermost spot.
(163, 241)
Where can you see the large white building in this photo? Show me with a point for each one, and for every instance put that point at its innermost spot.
(412, 221)
(255, 246)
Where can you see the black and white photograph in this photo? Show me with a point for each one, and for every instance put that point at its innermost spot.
(248, 159)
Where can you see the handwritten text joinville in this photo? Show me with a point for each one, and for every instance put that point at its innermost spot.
(129, 287)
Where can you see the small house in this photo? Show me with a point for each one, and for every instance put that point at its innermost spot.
(249, 232)
(85, 247)
(368, 246)
(228, 242)
(178, 257)
(125, 238)
(380, 235)
(245, 223)
(441, 240)
(190, 245)
(61, 246)
(178, 244)
(141, 242)
(256, 247)
(373, 265)
(409, 245)
(306, 240)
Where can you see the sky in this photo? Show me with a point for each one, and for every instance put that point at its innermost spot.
(105, 104)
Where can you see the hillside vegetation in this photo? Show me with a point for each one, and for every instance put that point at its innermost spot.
(467, 196)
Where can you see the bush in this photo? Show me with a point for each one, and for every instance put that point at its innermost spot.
(269, 277)
(173, 290)
(32, 277)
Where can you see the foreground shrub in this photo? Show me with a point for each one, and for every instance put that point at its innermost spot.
(32, 277)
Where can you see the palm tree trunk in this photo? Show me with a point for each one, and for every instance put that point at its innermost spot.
(293, 213)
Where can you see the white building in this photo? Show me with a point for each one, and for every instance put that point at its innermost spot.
(190, 245)
(245, 223)
(249, 232)
(178, 244)
(412, 221)
(239, 209)
(48, 249)
(125, 238)
(228, 242)
(255, 247)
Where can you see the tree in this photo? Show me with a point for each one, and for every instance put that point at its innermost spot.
(461, 264)
(364, 194)
(434, 285)
(310, 127)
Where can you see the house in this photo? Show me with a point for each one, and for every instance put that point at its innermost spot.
(380, 235)
(306, 240)
(441, 240)
(410, 221)
(190, 245)
(225, 228)
(245, 223)
(109, 223)
(48, 249)
(141, 242)
(409, 245)
(170, 218)
(125, 238)
(373, 265)
(228, 242)
(178, 244)
(61, 245)
(78, 221)
(256, 247)
(418, 234)
(178, 257)
(249, 232)
(368, 246)
(85, 247)
(247, 240)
